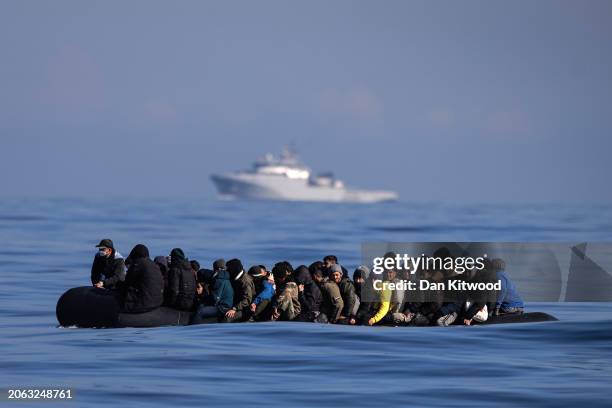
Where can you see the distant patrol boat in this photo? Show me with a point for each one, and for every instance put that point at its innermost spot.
(286, 179)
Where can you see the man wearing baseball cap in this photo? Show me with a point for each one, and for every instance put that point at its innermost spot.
(108, 267)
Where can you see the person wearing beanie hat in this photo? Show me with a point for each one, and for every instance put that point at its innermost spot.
(335, 268)
(244, 292)
(359, 276)
(332, 303)
(143, 288)
(181, 290)
(108, 267)
(349, 296)
(219, 264)
(260, 308)
(361, 272)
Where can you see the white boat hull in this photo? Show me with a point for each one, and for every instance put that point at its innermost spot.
(253, 186)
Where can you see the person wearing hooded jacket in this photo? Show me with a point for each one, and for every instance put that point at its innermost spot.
(332, 303)
(108, 268)
(359, 278)
(143, 288)
(309, 295)
(286, 305)
(219, 298)
(181, 290)
(347, 291)
(244, 292)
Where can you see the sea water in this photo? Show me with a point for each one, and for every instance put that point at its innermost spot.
(47, 246)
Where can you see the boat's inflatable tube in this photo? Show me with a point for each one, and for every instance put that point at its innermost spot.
(88, 306)
(532, 317)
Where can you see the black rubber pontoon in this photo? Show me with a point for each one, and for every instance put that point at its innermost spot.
(532, 317)
(88, 306)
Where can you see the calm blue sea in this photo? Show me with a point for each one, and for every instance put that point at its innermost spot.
(46, 247)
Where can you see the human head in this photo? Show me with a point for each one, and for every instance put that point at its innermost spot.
(202, 274)
(206, 276)
(195, 265)
(317, 275)
(234, 267)
(335, 273)
(105, 247)
(302, 275)
(257, 272)
(317, 265)
(219, 264)
(177, 256)
(360, 274)
(393, 274)
(282, 271)
(329, 260)
(405, 273)
(389, 274)
(139, 251)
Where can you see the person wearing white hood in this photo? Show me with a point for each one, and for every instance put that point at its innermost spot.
(108, 268)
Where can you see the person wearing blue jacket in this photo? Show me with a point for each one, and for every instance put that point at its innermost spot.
(508, 299)
(219, 298)
(260, 308)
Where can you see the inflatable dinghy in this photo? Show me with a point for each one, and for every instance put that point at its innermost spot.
(88, 306)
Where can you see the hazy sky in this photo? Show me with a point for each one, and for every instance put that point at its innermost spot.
(455, 101)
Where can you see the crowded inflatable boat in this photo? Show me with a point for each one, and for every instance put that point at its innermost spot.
(174, 291)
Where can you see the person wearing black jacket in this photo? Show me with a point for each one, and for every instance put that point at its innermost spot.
(108, 268)
(244, 292)
(143, 287)
(309, 295)
(181, 291)
(359, 278)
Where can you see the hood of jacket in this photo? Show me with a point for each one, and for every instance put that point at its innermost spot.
(138, 252)
(177, 256)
